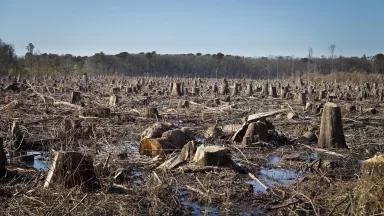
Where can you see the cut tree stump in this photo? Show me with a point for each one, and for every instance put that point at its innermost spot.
(187, 153)
(3, 159)
(237, 137)
(113, 100)
(273, 92)
(71, 169)
(169, 140)
(156, 130)
(224, 90)
(17, 135)
(331, 128)
(212, 156)
(249, 89)
(151, 112)
(76, 98)
(176, 90)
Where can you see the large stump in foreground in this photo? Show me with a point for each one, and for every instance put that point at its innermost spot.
(212, 156)
(331, 128)
(71, 169)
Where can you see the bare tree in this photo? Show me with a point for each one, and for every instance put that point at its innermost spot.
(29, 55)
(310, 54)
(332, 48)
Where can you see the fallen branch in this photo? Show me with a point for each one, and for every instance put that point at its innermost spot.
(56, 103)
(324, 151)
(196, 190)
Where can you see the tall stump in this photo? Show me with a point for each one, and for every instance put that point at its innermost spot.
(176, 89)
(249, 89)
(224, 90)
(331, 128)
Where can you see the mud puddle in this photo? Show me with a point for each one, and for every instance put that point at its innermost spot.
(271, 175)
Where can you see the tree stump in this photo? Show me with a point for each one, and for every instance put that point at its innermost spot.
(212, 156)
(195, 91)
(249, 134)
(331, 128)
(17, 135)
(249, 89)
(116, 90)
(176, 89)
(322, 94)
(283, 92)
(265, 90)
(381, 96)
(113, 100)
(273, 92)
(215, 89)
(224, 88)
(301, 99)
(71, 169)
(151, 112)
(235, 90)
(76, 98)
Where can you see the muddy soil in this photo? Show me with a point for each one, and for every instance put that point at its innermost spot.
(299, 180)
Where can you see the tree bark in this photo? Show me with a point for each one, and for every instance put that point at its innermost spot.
(331, 128)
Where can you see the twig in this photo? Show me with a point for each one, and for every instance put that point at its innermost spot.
(74, 207)
(324, 151)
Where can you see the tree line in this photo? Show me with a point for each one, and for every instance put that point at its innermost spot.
(186, 65)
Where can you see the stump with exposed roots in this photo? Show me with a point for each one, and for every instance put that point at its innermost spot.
(331, 128)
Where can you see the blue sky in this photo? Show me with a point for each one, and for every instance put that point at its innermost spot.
(238, 27)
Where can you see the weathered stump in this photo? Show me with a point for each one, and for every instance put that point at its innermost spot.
(301, 98)
(273, 92)
(17, 135)
(224, 90)
(215, 89)
(71, 169)
(151, 112)
(176, 89)
(322, 94)
(249, 89)
(235, 89)
(113, 100)
(116, 90)
(331, 128)
(283, 92)
(195, 91)
(169, 140)
(212, 156)
(265, 90)
(76, 98)
(249, 134)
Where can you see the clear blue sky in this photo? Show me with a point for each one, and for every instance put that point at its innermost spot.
(239, 27)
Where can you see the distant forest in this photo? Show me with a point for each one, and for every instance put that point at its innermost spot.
(186, 65)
